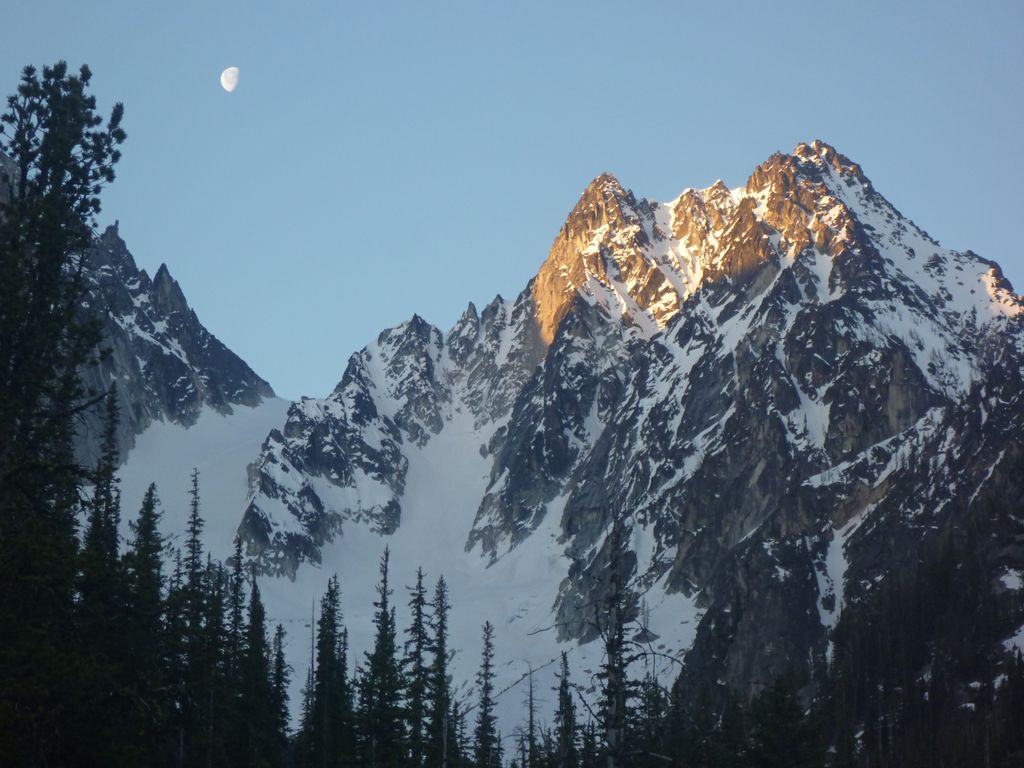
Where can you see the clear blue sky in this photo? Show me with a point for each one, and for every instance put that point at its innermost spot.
(385, 158)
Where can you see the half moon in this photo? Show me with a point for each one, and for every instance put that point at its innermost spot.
(229, 79)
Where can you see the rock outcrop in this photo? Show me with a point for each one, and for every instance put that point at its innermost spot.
(167, 366)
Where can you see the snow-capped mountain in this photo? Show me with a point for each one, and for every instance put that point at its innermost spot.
(785, 387)
(737, 369)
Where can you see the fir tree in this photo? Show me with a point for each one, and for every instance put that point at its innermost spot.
(215, 734)
(439, 698)
(236, 608)
(417, 670)
(380, 685)
(280, 678)
(457, 736)
(781, 734)
(104, 681)
(530, 754)
(145, 646)
(327, 734)
(257, 702)
(590, 755)
(144, 562)
(236, 726)
(566, 755)
(194, 553)
(612, 615)
(485, 735)
(176, 660)
(649, 718)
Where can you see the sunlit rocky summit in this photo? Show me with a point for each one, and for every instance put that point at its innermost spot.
(787, 388)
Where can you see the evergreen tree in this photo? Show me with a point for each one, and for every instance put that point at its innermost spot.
(61, 155)
(417, 671)
(143, 632)
(144, 564)
(781, 735)
(590, 753)
(611, 617)
(100, 546)
(236, 609)
(176, 660)
(459, 754)
(327, 734)
(280, 678)
(195, 681)
(257, 700)
(236, 727)
(216, 734)
(566, 755)
(380, 685)
(649, 719)
(439, 698)
(727, 741)
(104, 684)
(194, 571)
(530, 754)
(485, 735)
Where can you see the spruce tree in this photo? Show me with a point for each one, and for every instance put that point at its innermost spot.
(781, 734)
(236, 727)
(194, 553)
(280, 678)
(458, 755)
(176, 660)
(257, 700)
(327, 734)
(417, 671)
(439, 697)
(201, 594)
(611, 616)
(566, 754)
(216, 735)
(531, 755)
(485, 735)
(144, 638)
(381, 685)
(590, 753)
(102, 609)
(236, 608)
(648, 721)
(144, 562)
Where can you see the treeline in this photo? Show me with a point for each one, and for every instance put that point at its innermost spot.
(174, 668)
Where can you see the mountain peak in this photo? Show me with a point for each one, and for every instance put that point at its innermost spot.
(605, 211)
(823, 156)
(605, 184)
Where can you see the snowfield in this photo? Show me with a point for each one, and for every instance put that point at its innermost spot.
(446, 480)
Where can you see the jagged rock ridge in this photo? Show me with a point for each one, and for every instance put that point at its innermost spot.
(167, 366)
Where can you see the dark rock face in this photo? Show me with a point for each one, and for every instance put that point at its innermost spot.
(165, 363)
(395, 395)
(780, 385)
